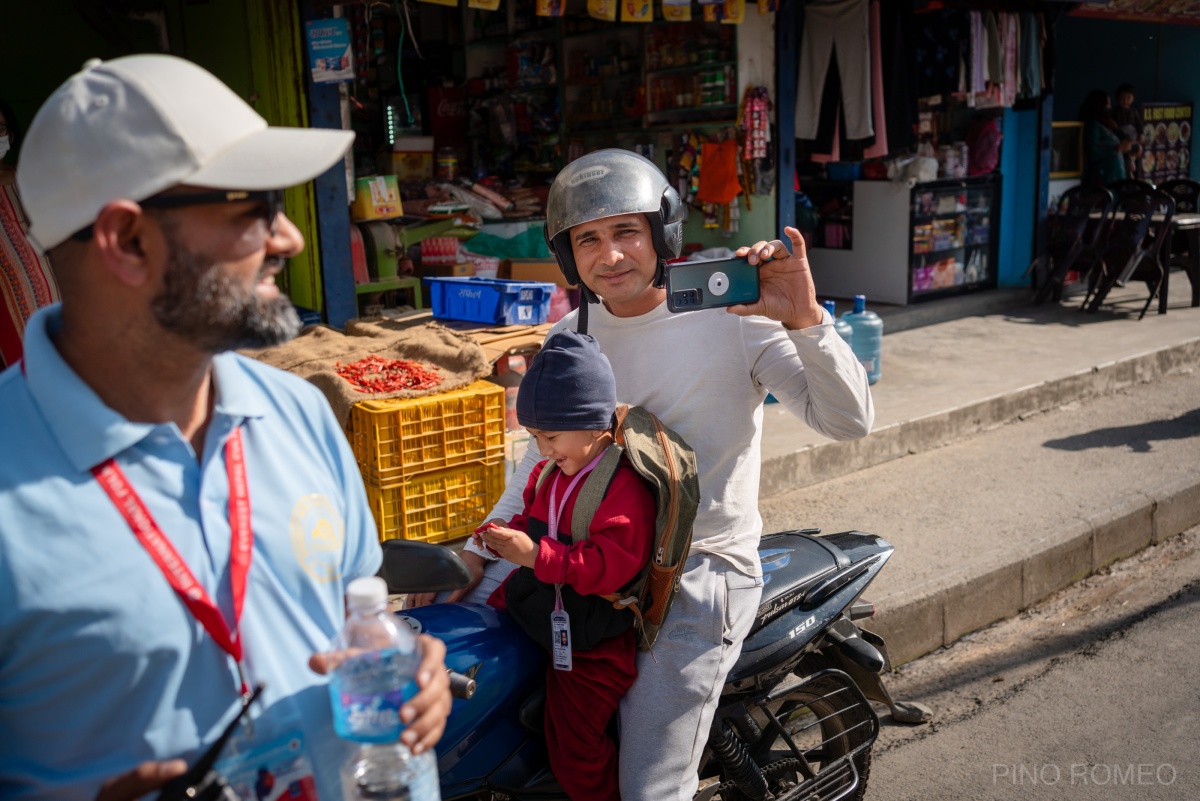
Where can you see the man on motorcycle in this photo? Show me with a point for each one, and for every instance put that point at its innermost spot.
(613, 220)
(178, 523)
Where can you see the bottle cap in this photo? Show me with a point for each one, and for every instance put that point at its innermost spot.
(830, 306)
(366, 592)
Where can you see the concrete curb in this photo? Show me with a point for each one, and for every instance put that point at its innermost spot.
(922, 619)
(813, 464)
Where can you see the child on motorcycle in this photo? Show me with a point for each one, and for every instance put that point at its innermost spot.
(566, 401)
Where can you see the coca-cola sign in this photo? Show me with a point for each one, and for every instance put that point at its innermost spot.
(448, 117)
(449, 107)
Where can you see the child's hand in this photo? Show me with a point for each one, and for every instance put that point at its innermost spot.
(513, 545)
(478, 540)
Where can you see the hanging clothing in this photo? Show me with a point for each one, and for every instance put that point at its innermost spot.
(978, 54)
(995, 52)
(840, 29)
(1012, 42)
(900, 98)
(880, 148)
(943, 39)
(1031, 57)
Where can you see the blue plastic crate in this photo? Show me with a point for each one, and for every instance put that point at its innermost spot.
(844, 170)
(490, 300)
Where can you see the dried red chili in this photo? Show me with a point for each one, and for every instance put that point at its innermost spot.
(375, 374)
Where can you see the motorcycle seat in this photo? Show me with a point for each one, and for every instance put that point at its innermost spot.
(793, 563)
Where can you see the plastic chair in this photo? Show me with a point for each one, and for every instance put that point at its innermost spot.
(1072, 239)
(1131, 248)
(1133, 185)
(1187, 201)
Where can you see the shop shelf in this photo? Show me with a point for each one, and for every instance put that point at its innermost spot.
(691, 67)
(401, 437)
(437, 506)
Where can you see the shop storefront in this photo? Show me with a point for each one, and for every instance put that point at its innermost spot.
(465, 112)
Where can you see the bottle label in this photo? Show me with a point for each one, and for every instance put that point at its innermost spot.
(368, 691)
(275, 769)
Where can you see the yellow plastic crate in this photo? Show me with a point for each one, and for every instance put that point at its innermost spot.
(437, 506)
(397, 438)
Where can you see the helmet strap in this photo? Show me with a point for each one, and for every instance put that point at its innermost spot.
(584, 302)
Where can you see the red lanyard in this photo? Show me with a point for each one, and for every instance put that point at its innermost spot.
(176, 571)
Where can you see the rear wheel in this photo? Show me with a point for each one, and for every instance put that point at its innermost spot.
(827, 719)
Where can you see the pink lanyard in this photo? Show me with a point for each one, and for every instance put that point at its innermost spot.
(556, 511)
(112, 479)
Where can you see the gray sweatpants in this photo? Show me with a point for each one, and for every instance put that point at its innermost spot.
(666, 714)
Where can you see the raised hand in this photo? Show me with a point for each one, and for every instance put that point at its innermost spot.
(786, 290)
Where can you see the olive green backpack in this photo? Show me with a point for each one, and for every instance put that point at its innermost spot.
(668, 465)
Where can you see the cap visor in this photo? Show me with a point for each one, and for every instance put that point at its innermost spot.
(274, 158)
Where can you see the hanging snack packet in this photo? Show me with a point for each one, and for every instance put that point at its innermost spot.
(602, 9)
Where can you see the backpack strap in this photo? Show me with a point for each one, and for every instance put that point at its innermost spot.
(547, 471)
(592, 492)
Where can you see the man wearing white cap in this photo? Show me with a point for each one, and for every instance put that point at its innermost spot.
(177, 522)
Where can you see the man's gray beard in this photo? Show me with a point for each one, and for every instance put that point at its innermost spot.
(215, 313)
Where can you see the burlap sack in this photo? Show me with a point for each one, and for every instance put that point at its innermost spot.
(314, 353)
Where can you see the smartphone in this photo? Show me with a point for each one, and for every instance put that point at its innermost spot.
(709, 284)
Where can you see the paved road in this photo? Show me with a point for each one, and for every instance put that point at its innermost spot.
(979, 503)
(1090, 696)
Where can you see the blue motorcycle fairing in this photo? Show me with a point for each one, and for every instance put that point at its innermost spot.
(483, 734)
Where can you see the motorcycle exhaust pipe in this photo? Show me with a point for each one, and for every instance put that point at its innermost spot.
(854, 647)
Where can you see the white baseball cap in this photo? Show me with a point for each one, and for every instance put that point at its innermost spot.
(132, 127)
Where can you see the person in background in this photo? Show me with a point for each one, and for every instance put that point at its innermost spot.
(26, 281)
(613, 220)
(1103, 149)
(1129, 127)
(177, 522)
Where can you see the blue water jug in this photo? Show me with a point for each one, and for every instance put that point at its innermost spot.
(867, 339)
(842, 327)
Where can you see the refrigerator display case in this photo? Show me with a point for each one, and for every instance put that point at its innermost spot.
(906, 244)
(952, 246)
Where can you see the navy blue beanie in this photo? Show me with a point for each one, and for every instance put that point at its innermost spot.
(569, 386)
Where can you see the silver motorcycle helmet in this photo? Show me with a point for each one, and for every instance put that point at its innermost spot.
(608, 183)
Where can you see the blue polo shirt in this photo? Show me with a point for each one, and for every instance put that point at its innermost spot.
(101, 665)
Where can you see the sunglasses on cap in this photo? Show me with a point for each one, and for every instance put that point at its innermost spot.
(272, 200)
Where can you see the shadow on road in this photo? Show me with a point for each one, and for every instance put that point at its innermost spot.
(1053, 648)
(1139, 438)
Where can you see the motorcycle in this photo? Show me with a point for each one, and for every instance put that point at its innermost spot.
(795, 719)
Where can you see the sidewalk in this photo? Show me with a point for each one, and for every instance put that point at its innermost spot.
(1001, 516)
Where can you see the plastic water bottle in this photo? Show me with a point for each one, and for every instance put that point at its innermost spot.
(367, 690)
(867, 339)
(842, 327)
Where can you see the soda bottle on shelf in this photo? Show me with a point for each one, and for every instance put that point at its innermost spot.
(376, 674)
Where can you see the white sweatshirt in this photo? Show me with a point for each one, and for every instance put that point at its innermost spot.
(706, 374)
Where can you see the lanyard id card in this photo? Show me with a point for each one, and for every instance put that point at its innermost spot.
(560, 633)
(560, 622)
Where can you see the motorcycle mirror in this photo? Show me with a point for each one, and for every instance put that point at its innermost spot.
(421, 567)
